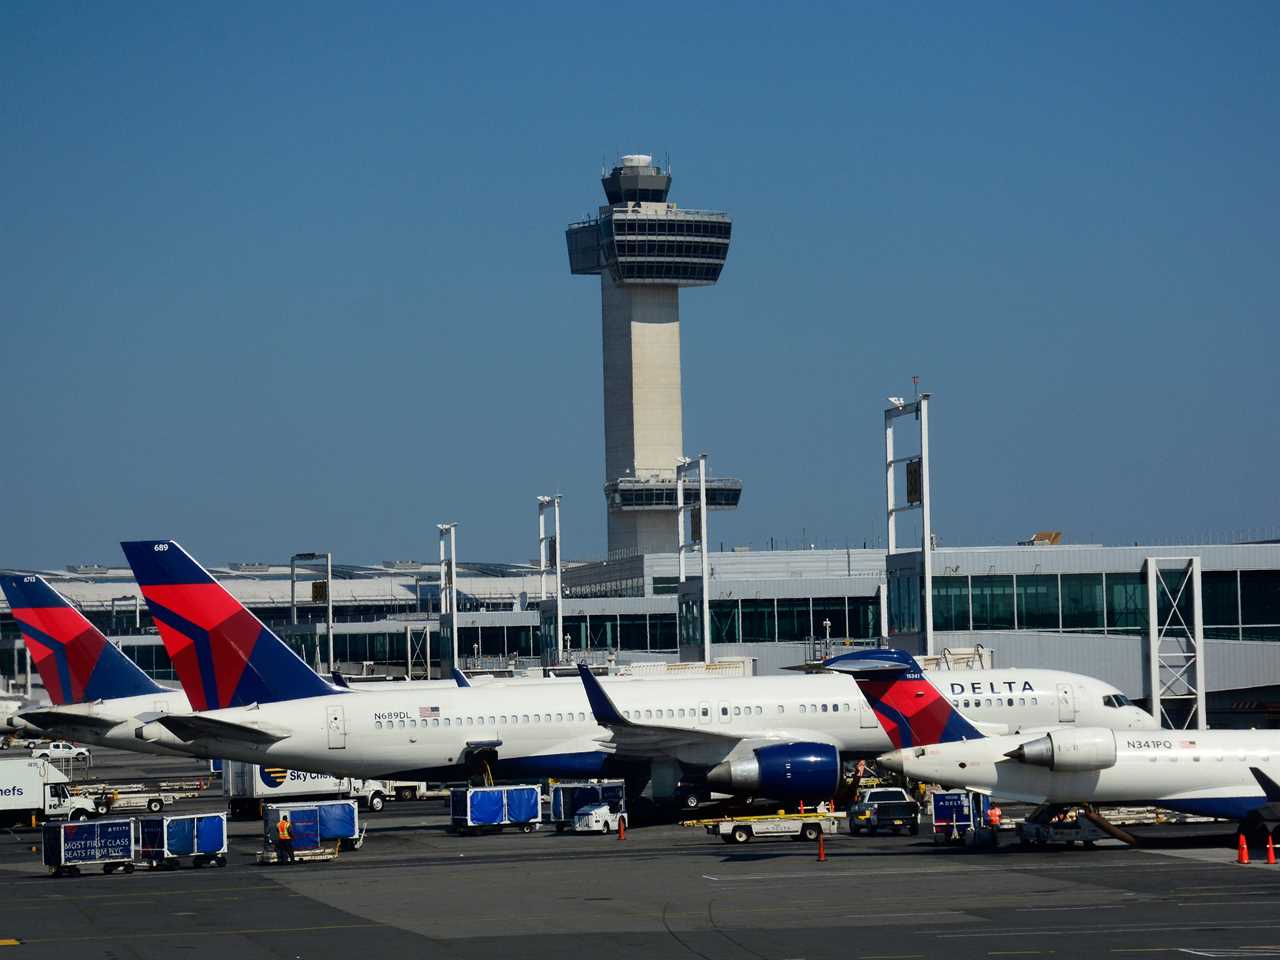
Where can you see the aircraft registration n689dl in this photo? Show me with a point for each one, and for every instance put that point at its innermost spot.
(780, 737)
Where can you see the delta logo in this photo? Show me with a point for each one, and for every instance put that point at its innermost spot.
(273, 776)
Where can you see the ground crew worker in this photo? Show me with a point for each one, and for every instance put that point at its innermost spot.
(993, 820)
(284, 840)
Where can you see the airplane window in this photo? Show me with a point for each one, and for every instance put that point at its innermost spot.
(446, 721)
(671, 714)
(493, 721)
(559, 717)
(737, 711)
(835, 708)
(802, 708)
(955, 703)
(524, 718)
(759, 710)
(724, 711)
(413, 723)
(813, 708)
(436, 722)
(706, 712)
(1022, 701)
(824, 708)
(648, 714)
(1034, 701)
(401, 724)
(537, 718)
(1010, 702)
(844, 707)
(547, 717)
(377, 724)
(470, 722)
(966, 703)
(988, 701)
(781, 708)
(680, 713)
(582, 718)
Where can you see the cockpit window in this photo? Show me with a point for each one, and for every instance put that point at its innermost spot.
(1116, 700)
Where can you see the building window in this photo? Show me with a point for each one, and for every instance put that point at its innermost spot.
(951, 603)
(757, 621)
(1082, 605)
(1260, 597)
(1127, 602)
(724, 621)
(793, 619)
(1221, 598)
(992, 602)
(1038, 602)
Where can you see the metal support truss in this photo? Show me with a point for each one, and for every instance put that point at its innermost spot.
(1175, 647)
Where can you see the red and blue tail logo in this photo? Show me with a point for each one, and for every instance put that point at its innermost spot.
(912, 711)
(224, 655)
(76, 662)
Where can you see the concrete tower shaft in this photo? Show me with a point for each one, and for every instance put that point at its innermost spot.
(644, 249)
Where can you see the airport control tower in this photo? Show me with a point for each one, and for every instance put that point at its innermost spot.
(644, 249)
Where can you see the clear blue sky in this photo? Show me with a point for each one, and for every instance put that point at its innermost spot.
(252, 255)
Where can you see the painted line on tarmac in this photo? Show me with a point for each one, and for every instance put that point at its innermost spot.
(1149, 927)
(243, 932)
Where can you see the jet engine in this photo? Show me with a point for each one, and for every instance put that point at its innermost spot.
(782, 771)
(1069, 750)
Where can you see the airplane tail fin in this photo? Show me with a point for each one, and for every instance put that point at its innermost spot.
(75, 661)
(223, 654)
(1269, 786)
(912, 711)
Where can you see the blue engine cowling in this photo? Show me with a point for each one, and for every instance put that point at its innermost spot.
(782, 771)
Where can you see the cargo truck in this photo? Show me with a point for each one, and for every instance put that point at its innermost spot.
(249, 787)
(36, 788)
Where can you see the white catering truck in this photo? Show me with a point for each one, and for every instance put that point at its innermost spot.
(249, 786)
(37, 788)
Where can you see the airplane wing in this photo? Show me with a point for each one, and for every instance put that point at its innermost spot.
(51, 719)
(630, 737)
(194, 726)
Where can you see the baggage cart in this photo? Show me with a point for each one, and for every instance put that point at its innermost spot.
(164, 841)
(955, 812)
(68, 847)
(322, 829)
(797, 826)
(477, 809)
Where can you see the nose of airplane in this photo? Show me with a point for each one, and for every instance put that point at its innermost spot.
(891, 760)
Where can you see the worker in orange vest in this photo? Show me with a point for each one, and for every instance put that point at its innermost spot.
(284, 840)
(993, 821)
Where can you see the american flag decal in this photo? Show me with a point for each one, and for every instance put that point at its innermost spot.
(428, 712)
(1186, 743)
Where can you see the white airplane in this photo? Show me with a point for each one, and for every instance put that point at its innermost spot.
(780, 737)
(1229, 774)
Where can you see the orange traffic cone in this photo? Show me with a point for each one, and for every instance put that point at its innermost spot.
(802, 807)
(822, 848)
(622, 828)
(1242, 850)
(1271, 850)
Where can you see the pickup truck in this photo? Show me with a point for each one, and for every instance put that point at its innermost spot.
(61, 750)
(885, 808)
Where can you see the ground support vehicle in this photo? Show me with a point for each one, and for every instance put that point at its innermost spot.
(957, 812)
(249, 787)
(885, 808)
(571, 798)
(604, 816)
(117, 802)
(321, 829)
(412, 790)
(478, 809)
(37, 789)
(68, 847)
(797, 826)
(62, 750)
(164, 841)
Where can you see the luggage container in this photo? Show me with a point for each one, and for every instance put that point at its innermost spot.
(70, 846)
(164, 841)
(955, 812)
(321, 829)
(474, 809)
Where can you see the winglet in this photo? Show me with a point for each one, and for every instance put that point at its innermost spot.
(1269, 786)
(871, 662)
(602, 708)
(339, 680)
(460, 678)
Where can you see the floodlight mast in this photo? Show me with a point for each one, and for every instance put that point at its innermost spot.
(544, 542)
(328, 594)
(449, 566)
(918, 498)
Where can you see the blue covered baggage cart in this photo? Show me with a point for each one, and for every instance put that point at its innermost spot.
(474, 809)
(321, 829)
(164, 841)
(70, 846)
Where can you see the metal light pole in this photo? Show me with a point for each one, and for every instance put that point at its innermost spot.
(449, 566)
(706, 559)
(544, 545)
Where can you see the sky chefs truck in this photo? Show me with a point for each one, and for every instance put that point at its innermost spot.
(248, 787)
(36, 788)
